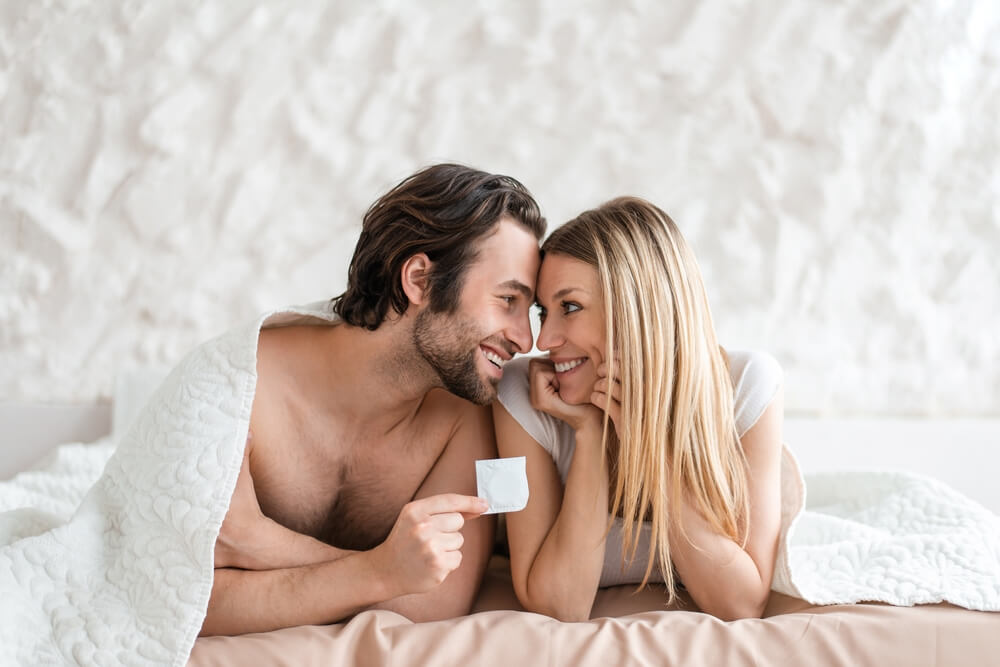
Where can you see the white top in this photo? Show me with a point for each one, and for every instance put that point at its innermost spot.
(756, 378)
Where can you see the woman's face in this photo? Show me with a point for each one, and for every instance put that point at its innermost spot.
(572, 315)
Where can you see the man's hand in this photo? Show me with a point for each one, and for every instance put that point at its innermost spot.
(425, 544)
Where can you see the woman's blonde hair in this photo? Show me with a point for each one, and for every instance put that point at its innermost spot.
(677, 435)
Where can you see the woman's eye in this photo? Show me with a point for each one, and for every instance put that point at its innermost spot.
(570, 307)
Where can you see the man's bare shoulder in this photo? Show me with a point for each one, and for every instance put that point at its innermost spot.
(441, 404)
(283, 352)
(280, 358)
(278, 343)
(466, 425)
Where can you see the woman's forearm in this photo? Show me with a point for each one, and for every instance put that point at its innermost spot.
(722, 578)
(564, 576)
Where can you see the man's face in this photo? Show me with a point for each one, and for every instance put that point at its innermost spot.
(469, 347)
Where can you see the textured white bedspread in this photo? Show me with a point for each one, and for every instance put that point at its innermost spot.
(120, 571)
(893, 537)
(116, 567)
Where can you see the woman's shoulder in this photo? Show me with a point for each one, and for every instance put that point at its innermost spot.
(753, 364)
(756, 376)
(514, 383)
(514, 394)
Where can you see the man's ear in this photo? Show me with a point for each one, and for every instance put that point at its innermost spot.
(416, 278)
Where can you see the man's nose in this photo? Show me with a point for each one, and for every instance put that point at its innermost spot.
(520, 334)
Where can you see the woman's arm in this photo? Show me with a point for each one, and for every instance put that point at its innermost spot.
(557, 540)
(724, 579)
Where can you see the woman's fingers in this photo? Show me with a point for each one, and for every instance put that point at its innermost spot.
(602, 370)
(616, 388)
(613, 407)
(544, 387)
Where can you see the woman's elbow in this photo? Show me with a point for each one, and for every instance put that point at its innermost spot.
(747, 607)
(562, 613)
(539, 602)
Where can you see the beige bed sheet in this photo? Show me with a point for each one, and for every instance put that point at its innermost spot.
(628, 629)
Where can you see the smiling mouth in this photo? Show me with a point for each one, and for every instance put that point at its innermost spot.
(566, 366)
(493, 358)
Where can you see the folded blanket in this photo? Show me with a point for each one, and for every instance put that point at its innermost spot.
(126, 577)
(120, 571)
(894, 537)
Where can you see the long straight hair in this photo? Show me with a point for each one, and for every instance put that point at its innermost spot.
(677, 440)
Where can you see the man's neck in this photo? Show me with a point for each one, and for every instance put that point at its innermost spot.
(376, 377)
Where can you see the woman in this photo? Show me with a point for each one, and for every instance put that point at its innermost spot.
(652, 454)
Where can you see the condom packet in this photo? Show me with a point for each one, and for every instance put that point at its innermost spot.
(503, 483)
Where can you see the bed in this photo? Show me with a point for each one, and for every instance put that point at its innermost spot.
(627, 627)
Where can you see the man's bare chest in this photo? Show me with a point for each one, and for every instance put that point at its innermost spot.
(343, 490)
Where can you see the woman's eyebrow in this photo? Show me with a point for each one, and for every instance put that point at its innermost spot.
(561, 293)
(565, 291)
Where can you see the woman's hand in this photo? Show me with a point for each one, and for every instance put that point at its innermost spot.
(608, 388)
(545, 397)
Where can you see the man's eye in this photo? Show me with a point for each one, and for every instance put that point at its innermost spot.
(508, 299)
(541, 313)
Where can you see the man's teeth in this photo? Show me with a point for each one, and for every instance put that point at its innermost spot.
(493, 357)
(568, 365)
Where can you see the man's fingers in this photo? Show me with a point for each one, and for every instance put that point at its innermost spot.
(452, 559)
(450, 502)
(450, 541)
(449, 522)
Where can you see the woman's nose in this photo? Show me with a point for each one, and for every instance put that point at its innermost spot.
(548, 336)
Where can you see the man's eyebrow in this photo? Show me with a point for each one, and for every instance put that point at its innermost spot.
(518, 286)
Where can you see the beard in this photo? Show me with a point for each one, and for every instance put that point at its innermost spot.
(449, 344)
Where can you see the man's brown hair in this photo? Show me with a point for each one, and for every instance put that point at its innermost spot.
(441, 211)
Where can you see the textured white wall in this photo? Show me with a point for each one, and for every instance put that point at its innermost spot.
(167, 169)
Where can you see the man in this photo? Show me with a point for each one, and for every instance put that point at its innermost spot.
(358, 487)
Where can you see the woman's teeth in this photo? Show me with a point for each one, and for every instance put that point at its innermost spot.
(562, 367)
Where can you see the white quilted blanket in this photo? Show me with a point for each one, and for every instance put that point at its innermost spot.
(893, 537)
(119, 571)
(115, 567)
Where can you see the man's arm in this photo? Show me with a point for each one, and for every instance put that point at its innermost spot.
(424, 549)
(245, 601)
(249, 540)
(455, 472)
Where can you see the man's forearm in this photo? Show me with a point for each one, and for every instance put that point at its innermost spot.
(271, 546)
(245, 601)
(282, 548)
